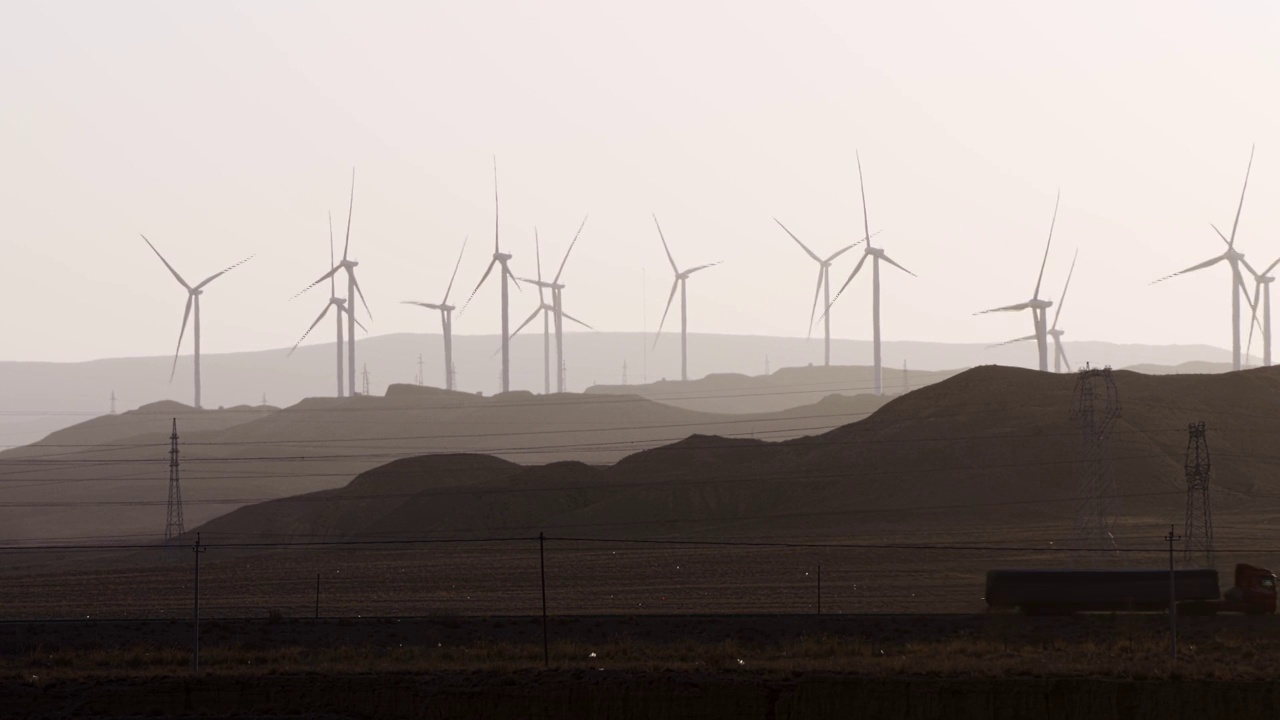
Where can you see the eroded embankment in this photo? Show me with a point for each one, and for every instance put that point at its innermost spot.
(566, 695)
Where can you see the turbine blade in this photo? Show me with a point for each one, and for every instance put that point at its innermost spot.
(1015, 340)
(333, 288)
(1240, 207)
(482, 279)
(1224, 237)
(1045, 261)
(1271, 267)
(687, 273)
(537, 251)
(890, 260)
(570, 317)
(166, 263)
(1253, 321)
(842, 251)
(1063, 299)
(802, 245)
(1207, 263)
(215, 276)
(512, 275)
(816, 293)
(495, 205)
(866, 226)
(565, 259)
(323, 312)
(670, 259)
(346, 244)
(186, 315)
(323, 277)
(1248, 267)
(672, 296)
(1006, 308)
(356, 283)
(852, 275)
(1057, 343)
(455, 272)
(421, 304)
(527, 321)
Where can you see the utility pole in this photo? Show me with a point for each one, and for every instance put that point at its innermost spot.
(195, 656)
(173, 525)
(264, 399)
(419, 379)
(624, 372)
(364, 379)
(906, 379)
(1096, 406)
(1198, 529)
(1173, 597)
(113, 402)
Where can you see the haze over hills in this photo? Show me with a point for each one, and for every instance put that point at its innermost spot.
(37, 398)
(990, 448)
(106, 478)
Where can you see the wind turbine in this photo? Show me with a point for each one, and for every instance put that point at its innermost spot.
(680, 282)
(823, 288)
(1262, 296)
(1233, 258)
(446, 320)
(334, 302)
(353, 289)
(876, 255)
(499, 258)
(1059, 355)
(1037, 306)
(553, 313)
(193, 301)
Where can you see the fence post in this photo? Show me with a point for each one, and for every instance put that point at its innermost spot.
(542, 567)
(195, 656)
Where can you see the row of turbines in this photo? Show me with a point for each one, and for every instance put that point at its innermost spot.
(554, 315)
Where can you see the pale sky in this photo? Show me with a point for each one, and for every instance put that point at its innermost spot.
(224, 129)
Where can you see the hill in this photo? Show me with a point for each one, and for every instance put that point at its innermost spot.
(988, 448)
(106, 479)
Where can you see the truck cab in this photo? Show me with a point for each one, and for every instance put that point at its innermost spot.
(1254, 591)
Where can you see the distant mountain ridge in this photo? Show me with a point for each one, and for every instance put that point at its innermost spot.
(37, 398)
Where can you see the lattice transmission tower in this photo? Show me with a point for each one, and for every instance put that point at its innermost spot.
(173, 525)
(1096, 406)
(1199, 528)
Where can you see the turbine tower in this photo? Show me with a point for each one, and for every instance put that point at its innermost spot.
(876, 255)
(1234, 258)
(1059, 355)
(823, 289)
(353, 289)
(1261, 297)
(446, 320)
(499, 258)
(1037, 306)
(334, 302)
(680, 282)
(193, 301)
(553, 313)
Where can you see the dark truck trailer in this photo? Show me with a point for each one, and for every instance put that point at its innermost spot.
(1068, 591)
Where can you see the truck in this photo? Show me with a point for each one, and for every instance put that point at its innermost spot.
(1063, 592)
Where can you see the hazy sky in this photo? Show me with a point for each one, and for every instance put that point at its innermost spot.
(224, 129)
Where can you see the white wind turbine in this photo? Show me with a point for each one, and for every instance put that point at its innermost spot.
(1234, 258)
(552, 313)
(353, 289)
(680, 281)
(1059, 355)
(876, 255)
(193, 301)
(499, 258)
(823, 289)
(446, 321)
(334, 302)
(1261, 297)
(1037, 306)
